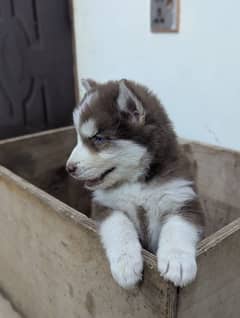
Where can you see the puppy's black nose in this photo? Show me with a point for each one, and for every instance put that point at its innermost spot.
(71, 168)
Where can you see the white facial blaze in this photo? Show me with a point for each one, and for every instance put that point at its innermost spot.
(85, 102)
(88, 128)
(76, 117)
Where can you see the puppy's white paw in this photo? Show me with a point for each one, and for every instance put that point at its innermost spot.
(177, 266)
(127, 269)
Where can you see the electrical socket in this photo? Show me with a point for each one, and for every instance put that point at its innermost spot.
(164, 15)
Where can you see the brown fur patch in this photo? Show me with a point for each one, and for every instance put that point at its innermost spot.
(192, 212)
(143, 220)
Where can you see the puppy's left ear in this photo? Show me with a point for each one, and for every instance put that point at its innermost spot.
(87, 85)
(129, 104)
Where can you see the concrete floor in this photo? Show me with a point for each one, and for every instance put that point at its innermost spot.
(6, 310)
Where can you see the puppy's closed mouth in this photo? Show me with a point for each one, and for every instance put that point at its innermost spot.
(94, 182)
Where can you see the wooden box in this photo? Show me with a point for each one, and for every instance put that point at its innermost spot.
(53, 266)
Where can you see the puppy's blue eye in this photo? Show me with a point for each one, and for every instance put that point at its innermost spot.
(99, 139)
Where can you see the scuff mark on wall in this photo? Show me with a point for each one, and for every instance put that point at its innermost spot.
(213, 134)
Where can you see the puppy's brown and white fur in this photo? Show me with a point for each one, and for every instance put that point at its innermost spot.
(143, 188)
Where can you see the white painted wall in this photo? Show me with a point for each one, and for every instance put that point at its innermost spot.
(196, 73)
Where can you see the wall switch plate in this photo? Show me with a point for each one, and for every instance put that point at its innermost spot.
(165, 15)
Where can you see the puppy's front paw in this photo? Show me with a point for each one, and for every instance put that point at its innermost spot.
(127, 269)
(177, 266)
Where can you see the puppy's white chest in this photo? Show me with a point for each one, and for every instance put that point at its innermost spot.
(128, 199)
(156, 200)
(125, 198)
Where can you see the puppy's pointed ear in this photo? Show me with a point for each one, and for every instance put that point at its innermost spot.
(87, 85)
(129, 104)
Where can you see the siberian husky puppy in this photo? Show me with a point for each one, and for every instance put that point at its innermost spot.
(142, 185)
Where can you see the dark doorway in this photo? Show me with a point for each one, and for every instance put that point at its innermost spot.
(36, 66)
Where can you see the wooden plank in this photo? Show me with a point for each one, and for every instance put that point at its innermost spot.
(215, 293)
(218, 171)
(53, 266)
(218, 175)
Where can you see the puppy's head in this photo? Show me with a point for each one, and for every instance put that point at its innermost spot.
(114, 128)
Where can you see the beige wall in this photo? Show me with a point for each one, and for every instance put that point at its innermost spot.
(196, 73)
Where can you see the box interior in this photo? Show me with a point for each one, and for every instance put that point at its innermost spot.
(41, 158)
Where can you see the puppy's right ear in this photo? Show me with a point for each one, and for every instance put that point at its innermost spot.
(130, 104)
(87, 85)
